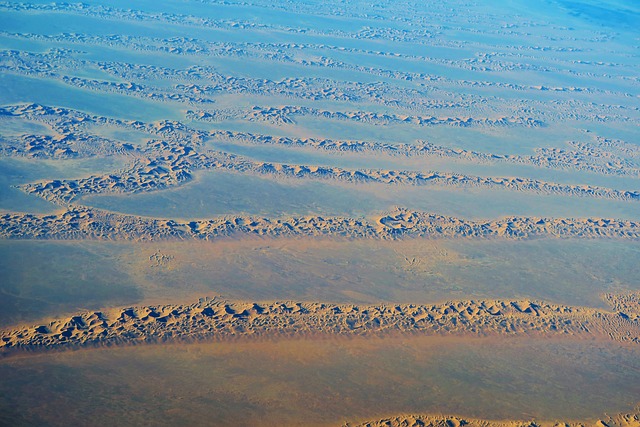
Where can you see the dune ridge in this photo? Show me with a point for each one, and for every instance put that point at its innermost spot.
(87, 223)
(172, 160)
(178, 164)
(62, 146)
(223, 319)
(631, 419)
(421, 100)
(286, 114)
(283, 52)
(603, 155)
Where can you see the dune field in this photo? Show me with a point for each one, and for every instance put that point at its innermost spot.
(390, 213)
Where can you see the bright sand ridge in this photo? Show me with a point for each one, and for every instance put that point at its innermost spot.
(221, 319)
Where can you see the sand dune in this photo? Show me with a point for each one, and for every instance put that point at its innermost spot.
(64, 146)
(478, 105)
(622, 420)
(416, 100)
(171, 160)
(169, 170)
(221, 319)
(286, 115)
(88, 223)
(284, 52)
(603, 156)
(141, 91)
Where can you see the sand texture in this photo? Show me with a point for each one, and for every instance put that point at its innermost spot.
(403, 211)
(172, 160)
(221, 319)
(622, 420)
(82, 222)
(589, 156)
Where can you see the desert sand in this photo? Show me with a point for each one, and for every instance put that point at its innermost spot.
(623, 420)
(82, 222)
(386, 184)
(220, 319)
(164, 163)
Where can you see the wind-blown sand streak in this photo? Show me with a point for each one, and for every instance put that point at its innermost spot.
(89, 223)
(221, 319)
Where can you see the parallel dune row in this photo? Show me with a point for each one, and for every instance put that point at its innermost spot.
(176, 164)
(287, 114)
(201, 85)
(57, 63)
(89, 223)
(171, 161)
(620, 420)
(220, 319)
(603, 156)
(278, 51)
(247, 104)
(286, 54)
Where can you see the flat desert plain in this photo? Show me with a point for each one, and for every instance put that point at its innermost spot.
(391, 213)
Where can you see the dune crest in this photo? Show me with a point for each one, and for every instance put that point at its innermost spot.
(621, 420)
(222, 319)
(179, 151)
(89, 223)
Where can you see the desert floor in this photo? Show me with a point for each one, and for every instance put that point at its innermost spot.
(334, 213)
